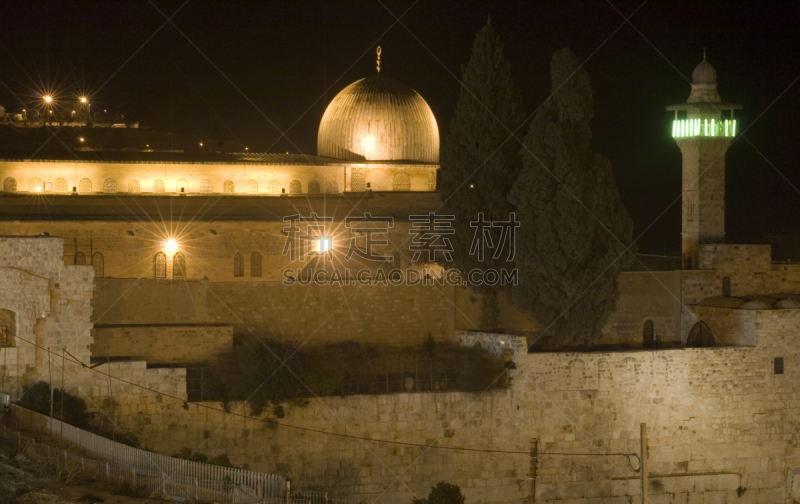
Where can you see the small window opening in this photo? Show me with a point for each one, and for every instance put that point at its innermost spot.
(778, 365)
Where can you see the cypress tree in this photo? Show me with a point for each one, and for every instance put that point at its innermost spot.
(569, 253)
(480, 155)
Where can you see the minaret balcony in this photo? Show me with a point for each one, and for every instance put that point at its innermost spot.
(682, 128)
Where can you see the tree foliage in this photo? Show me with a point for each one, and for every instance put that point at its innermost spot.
(571, 246)
(480, 155)
(443, 493)
(268, 372)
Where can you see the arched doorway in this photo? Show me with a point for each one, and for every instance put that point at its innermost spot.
(648, 335)
(701, 336)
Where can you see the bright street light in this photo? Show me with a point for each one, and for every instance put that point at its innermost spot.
(83, 99)
(48, 99)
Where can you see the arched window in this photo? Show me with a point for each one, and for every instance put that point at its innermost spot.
(97, 264)
(238, 267)
(110, 186)
(134, 186)
(295, 187)
(313, 187)
(255, 265)
(205, 186)
(358, 183)
(726, 286)
(332, 187)
(85, 185)
(8, 328)
(700, 337)
(401, 182)
(36, 185)
(158, 186)
(274, 187)
(10, 184)
(252, 187)
(80, 260)
(160, 265)
(178, 266)
(228, 187)
(60, 185)
(648, 335)
(182, 186)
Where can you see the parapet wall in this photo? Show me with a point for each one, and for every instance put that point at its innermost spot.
(380, 315)
(162, 344)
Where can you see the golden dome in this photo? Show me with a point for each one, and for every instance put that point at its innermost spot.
(378, 118)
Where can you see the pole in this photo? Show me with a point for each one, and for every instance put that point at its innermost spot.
(50, 370)
(63, 363)
(643, 467)
(534, 468)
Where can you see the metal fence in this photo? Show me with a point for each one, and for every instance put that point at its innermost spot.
(148, 473)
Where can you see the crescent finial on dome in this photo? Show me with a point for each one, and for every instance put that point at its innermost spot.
(379, 59)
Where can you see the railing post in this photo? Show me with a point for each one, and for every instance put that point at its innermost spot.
(288, 492)
(133, 476)
(108, 473)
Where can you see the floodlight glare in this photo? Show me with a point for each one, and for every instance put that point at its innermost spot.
(325, 244)
(172, 246)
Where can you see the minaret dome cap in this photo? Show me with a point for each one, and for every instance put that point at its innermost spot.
(704, 73)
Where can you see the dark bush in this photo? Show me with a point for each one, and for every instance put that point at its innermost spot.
(269, 372)
(36, 397)
(443, 493)
(127, 490)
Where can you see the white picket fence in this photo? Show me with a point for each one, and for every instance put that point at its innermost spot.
(152, 473)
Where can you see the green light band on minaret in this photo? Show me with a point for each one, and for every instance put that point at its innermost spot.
(682, 128)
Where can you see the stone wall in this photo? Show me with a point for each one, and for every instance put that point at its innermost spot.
(52, 307)
(653, 296)
(381, 315)
(719, 419)
(162, 344)
(468, 306)
(130, 249)
(730, 327)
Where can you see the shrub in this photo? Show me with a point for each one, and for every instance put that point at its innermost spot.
(269, 372)
(189, 454)
(127, 490)
(36, 397)
(443, 493)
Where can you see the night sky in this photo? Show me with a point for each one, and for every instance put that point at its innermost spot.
(250, 70)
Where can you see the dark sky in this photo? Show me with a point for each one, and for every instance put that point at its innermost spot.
(247, 70)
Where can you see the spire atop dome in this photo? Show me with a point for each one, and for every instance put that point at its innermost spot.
(379, 59)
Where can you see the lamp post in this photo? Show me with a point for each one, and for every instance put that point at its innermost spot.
(48, 103)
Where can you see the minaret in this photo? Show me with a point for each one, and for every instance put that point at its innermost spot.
(703, 129)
